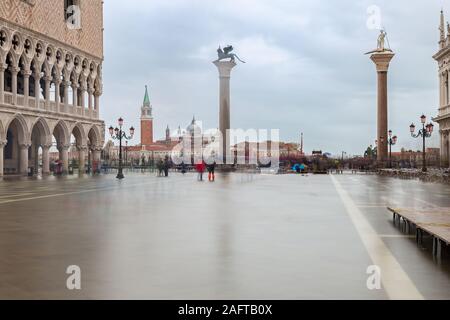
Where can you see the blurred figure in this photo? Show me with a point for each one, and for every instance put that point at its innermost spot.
(211, 171)
(200, 167)
(160, 167)
(166, 166)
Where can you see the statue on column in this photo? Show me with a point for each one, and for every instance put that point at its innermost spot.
(381, 47)
(381, 39)
(225, 53)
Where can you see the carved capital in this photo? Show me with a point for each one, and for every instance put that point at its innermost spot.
(46, 146)
(27, 73)
(64, 147)
(83, 148)
(14, 70)
(24, 146)
(3, 143)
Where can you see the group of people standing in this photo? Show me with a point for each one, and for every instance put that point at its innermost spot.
(201, 167)
(163, 167)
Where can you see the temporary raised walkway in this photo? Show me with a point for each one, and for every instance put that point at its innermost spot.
(433, 221)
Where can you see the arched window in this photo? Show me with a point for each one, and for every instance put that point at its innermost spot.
(67, 5)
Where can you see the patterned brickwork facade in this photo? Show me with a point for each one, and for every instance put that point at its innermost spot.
(47, 17)
(146, 132)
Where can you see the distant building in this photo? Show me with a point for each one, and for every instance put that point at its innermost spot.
(432, 156)
(148, 149)
(50, 82)
(443, 118)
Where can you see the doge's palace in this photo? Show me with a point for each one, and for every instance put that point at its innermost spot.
(51, 54)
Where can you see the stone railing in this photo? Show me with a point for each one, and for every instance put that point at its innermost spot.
(51, 106)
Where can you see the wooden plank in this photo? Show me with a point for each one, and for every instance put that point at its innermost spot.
(435, 221)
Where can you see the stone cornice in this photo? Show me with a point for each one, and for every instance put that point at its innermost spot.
(441, 53)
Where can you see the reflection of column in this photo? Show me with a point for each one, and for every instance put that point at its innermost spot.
(382, 60)
(2, 147)
(64, 157)
(14, 72)
(82, 159)
(45, 159)
(26, 86)
(224, 68)
(2, 83)
(23, 166)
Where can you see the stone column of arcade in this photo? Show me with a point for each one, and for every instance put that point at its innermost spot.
(224, 68)
(382, 60)
(2, 148)
(64, 153)
(82, 158)
(24, 147)
(46, 159)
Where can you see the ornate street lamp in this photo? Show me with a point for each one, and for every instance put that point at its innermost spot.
(425, 132)
(392, 142)
(119, 134)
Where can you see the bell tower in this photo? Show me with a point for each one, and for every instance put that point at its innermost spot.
(146, 121)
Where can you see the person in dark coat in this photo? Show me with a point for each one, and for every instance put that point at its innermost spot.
(166, 166)
(211, 171)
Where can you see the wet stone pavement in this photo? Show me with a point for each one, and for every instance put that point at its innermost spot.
(244, 236)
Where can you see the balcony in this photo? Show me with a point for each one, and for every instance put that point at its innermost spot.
(50, 107)
(444, 111)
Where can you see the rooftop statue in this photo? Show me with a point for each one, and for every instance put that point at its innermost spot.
(226, 53)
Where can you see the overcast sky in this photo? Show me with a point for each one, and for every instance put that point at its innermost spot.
(306, 70)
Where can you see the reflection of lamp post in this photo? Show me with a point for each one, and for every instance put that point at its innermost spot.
(119, 134)
(392, 142)
(424, 133)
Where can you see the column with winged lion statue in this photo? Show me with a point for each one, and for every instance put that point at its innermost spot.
(225, 62)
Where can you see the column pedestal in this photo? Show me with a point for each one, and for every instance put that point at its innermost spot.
(224, 68)
(382, 60)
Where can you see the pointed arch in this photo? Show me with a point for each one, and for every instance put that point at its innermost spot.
(22, 127)
(94, 136)
(43, 129)
(61, 133)
(79, 134)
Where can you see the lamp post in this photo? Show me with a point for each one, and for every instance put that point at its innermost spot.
(423, 133)
(392, 142)
(119, 134)
(126, 153)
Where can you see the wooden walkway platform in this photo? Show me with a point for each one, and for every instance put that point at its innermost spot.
(433, 221)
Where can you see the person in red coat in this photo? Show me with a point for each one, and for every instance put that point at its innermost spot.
(200, 167)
